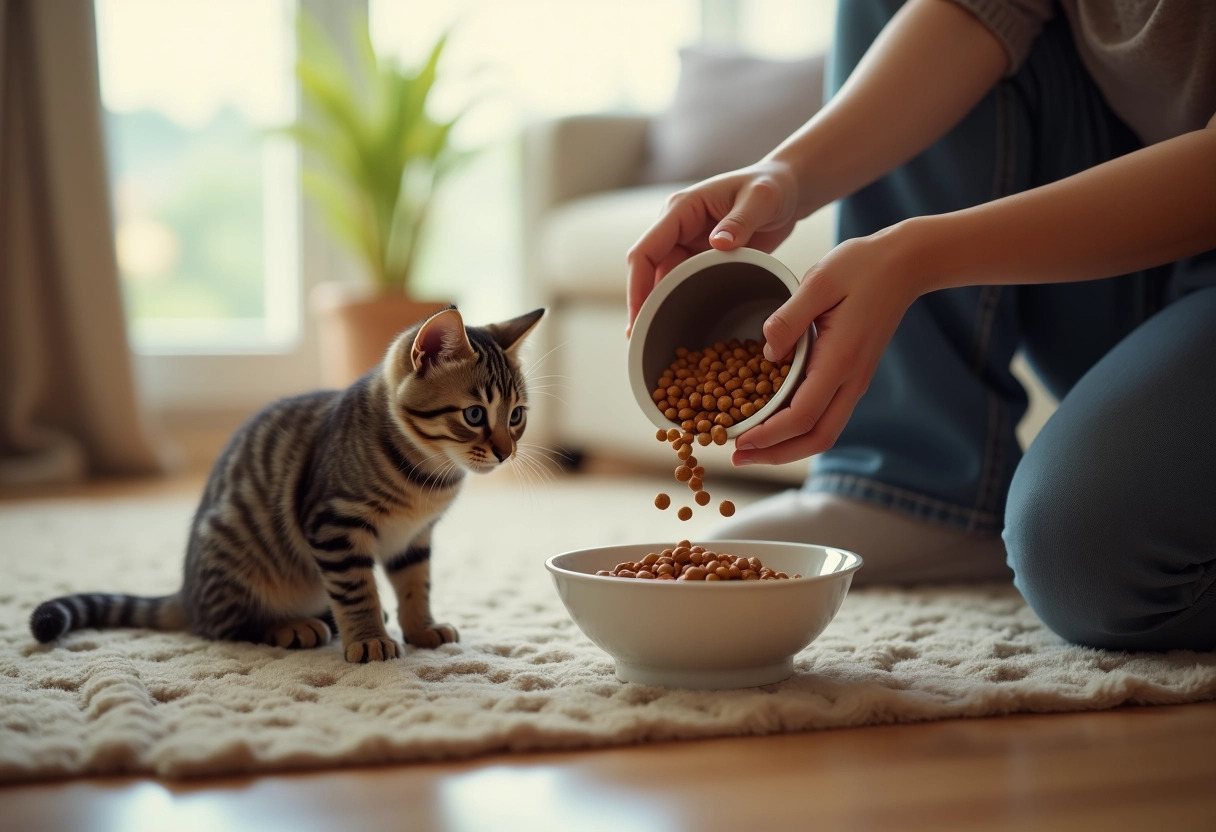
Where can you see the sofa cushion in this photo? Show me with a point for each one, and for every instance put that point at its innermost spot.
(583, 242)
(729, 110)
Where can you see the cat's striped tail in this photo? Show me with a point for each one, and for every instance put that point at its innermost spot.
(52, 619)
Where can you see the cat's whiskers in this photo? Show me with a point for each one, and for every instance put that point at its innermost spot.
(533, 467)
(553, 396)
(548, 385)
(430, 483)
(550, 455)
(440, 475)
(550, 380)
(533, 458)
(532, 475)
(541, 360)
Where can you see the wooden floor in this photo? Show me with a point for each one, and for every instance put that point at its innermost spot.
(1130, 769)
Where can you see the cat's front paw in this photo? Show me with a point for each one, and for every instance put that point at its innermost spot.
(433, 636)
(373, 650)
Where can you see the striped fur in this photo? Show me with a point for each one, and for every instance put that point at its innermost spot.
(315, 490)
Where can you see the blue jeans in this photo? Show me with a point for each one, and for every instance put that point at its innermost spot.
(1109, 518)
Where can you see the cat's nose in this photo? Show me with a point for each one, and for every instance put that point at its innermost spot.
(501, 453)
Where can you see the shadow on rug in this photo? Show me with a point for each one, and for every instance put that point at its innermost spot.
(523, 678)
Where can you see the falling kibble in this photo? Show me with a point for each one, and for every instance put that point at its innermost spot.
(675, 393)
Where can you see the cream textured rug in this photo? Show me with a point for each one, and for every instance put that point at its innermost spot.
(524, 678)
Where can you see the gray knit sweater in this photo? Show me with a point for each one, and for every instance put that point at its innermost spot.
(1153, 60)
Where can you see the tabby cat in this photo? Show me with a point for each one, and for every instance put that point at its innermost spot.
(314, 490)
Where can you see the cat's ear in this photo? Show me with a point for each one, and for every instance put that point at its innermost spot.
(439, 340)
(510, 334)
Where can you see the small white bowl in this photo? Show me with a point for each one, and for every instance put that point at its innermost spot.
(705, 635)
(711, 296)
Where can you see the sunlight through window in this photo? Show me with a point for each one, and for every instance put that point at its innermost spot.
(205, 201)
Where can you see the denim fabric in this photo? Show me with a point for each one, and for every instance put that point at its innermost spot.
(1111, 522)
(935, 434)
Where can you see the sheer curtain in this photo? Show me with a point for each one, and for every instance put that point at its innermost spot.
(68, 405)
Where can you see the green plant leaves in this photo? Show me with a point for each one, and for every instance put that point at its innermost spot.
(376, 155)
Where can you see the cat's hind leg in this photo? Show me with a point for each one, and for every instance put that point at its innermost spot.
(299, 634)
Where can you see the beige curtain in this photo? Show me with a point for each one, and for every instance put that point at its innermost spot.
(68, 406)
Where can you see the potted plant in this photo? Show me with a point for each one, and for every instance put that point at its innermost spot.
(374, 159)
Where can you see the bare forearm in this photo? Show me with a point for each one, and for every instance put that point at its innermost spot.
(1147, 208)
(926, 70)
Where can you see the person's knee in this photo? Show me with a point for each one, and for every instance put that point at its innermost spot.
(1082, 561)
(1055, 561)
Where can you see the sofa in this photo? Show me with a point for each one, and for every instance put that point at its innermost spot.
(592, 183)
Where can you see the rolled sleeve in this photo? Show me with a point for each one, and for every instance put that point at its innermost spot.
(1015, 23)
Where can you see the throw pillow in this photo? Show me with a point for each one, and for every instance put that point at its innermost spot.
(729, 109)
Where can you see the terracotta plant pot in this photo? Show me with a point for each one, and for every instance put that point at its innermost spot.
(356, 327)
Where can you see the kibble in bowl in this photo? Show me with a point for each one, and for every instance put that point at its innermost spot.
(698, 633)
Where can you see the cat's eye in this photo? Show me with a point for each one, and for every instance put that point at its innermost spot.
(475, 415)
(517, 415)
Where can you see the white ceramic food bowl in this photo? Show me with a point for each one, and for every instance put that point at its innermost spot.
(706, 635)
(711, 296)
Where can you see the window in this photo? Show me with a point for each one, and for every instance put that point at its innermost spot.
(205, 199)
(772, 28)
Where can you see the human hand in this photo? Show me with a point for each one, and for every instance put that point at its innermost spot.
(755, 206)
(856, 296)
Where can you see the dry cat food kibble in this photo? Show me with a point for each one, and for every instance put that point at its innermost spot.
(686, 562)
(690, 472)
(705, 393)
(717, 387)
